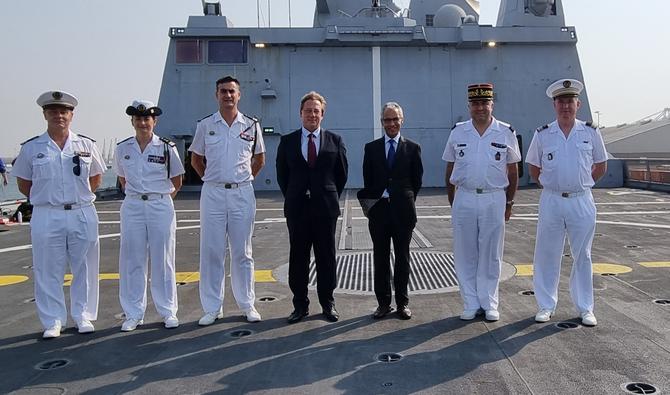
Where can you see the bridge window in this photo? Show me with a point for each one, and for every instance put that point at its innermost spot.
(189, 51)
(429, 19)
(227, 51)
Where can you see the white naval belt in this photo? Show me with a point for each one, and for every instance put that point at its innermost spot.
(147, 196)
(68, 206)
(479, 191)
(566, 194)
(229, 185)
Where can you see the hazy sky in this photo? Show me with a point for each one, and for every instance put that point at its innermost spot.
(109, 52)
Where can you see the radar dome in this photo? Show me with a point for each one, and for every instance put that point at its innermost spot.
(449, 15)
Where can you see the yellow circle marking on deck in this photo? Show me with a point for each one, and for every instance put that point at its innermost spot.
(600, 268)
(524, 270)
(264, 276)
(188, 277)
(9, 280)
(102, 276)
(655, 264)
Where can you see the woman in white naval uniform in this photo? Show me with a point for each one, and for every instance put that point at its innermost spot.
(481, 177)
(150, 171)
(58, 171)
(567, 157)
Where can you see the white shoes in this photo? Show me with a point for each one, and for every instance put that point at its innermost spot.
(130, 324)
(252, 315)
(85, 326)
(468, 315)
(589, 319)
(52, 332)
(543, 315)
(209, 318)
(492, 315)
(171, 322)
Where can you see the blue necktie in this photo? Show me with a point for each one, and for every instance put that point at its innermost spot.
(391, 155)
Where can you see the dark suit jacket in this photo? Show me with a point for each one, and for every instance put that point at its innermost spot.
(403, 181)
(325, 182)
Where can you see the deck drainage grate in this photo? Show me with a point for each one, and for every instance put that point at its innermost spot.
(639, 388)
(179, 283)
(387, 385)
(267, 299)
(52, 364)
(567, 325)
(598, 235)
(240, 333)
(662, 301)
(608, 274)
(527, 292)
(29, 300)
(432, 272)
(27, 267)
(632, 246)
(388, 357)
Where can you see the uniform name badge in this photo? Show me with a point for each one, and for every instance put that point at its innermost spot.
(82, 154)
(156, 159)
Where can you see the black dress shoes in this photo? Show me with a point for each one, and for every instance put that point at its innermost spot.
(297, 315)
(331, 314)
(404, 313)
(381, 312)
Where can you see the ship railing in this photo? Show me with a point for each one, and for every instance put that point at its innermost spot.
(647, 173)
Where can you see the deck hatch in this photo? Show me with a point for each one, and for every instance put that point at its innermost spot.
(432, 272)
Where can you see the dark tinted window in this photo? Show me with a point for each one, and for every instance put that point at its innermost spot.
(189, 51)
(228, 51)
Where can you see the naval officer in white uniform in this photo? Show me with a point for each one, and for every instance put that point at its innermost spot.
(567, 157)
(150, 171)
(233, 145)
(58, 171)
(481, 178)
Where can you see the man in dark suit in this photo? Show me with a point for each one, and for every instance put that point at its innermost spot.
(392, 172)
(311, 172)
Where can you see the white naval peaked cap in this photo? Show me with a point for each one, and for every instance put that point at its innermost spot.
(58, 98)
(565, 87)
(143, 108)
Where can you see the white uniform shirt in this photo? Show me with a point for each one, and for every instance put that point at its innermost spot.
(147, 172)
(228, 150)
(566, 163)
(51, 169)
(481, 161)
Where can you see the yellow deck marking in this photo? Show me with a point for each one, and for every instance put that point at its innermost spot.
(524, 270)
(655, 264)
(188, 277)
(600, 268)
(264, 276)
(261, 276)
(9, 280)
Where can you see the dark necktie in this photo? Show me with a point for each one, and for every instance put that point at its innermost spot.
(391, 155)
(311, 151)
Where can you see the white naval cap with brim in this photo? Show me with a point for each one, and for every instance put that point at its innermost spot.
(565, 87)
(59, 98)
(143, 108)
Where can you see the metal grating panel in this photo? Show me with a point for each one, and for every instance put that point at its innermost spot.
(432, 272)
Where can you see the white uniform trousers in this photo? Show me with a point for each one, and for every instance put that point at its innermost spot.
(558, 215)
(226, 219)
(60, 236)
(479, 234)
(148, 230)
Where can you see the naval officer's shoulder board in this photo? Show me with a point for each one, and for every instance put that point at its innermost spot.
(254, 122)
(205, 117)
(508, 126)
(541, 128)
(591, 125)
(167, 144)
(457, 124)
(86, 137)
(30, 139)
(124, 140)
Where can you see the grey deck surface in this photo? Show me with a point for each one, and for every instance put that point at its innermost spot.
(441, 353)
